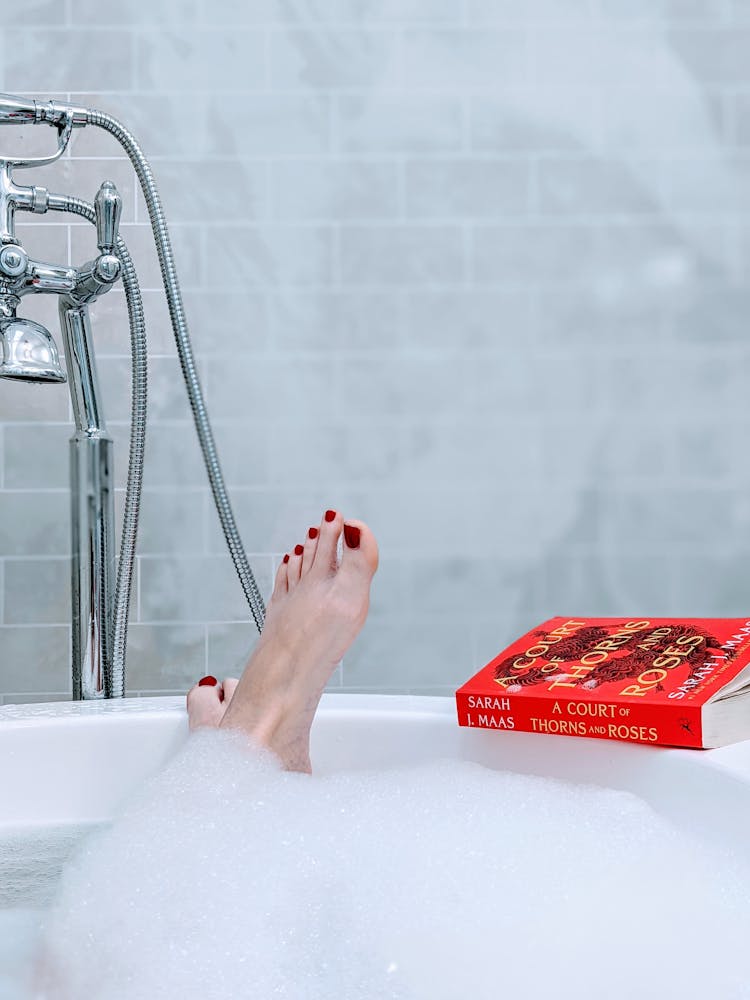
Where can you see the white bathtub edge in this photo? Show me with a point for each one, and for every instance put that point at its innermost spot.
(733, 760)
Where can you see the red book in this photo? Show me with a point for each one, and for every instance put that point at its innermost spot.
(662, 681)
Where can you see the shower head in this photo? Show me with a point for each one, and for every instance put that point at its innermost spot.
(26, 111)
(28, 352)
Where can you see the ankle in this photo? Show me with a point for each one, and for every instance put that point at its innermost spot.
(286, 735)
(273, 714)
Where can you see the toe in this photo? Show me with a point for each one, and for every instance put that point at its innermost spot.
(280, 585)
(310, 547)
(229, 685)
(204, 703)
(329, 533)
(360, 548)
(294, 566)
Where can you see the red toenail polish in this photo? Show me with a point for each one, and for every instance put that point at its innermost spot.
(286, 558)
(330, 515)
(351, 536)
(313, 533)
(208, 679)
(298, 550)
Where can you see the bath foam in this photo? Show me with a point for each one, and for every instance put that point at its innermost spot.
(231, 878)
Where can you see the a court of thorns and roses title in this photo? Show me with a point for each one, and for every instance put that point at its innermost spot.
(633, 659)
(579, 655)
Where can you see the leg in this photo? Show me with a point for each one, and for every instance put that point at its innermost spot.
(316, 610)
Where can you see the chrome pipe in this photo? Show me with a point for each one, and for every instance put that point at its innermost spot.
(92, 513)
(115, 675)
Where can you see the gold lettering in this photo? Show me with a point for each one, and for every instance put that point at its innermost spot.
(597, 709)
(595, 656)
(639, 733)
(538, 650)
(634, 690)
(652, 677)
(561, 682)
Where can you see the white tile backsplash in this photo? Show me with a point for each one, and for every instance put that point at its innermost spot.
(475, 273)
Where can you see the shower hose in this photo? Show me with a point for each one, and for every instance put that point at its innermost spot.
(115, 685)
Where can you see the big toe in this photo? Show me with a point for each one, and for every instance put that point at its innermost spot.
(204, 704)
(360, 550)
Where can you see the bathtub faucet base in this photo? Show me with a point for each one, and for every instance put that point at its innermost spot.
(29, 353)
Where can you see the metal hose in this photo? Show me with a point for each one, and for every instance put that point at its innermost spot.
(114, 682)
(185, 352)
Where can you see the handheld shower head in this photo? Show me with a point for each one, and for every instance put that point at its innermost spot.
(28, 352)
(17, 110)
(26, 111)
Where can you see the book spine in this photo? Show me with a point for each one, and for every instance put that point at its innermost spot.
(656, 725)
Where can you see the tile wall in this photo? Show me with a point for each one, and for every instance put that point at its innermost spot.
(474, 272)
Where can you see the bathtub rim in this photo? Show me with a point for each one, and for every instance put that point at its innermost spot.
(733, 759)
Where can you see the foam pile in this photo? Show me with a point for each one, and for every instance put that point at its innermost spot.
(232, 878)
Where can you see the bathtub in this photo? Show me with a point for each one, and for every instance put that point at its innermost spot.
(77, 763)
(72, 766)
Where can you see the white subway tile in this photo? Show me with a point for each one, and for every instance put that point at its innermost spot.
(34, 523)
(534, 254)
(266, 125)
(37, 456)
(229, 647)
(467, 189)
(173, 59)
(165, 656)
(46, 59)
(190, 589)
(407, 122)
(331, 321)
(36, 662)
(337, 59)
(402, 255)
(305, 189)
(269, 255)
(166, 13)
(584, 186)
(454, 60)
(37, 591)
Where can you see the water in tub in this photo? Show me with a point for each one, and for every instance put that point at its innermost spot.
(230, 878)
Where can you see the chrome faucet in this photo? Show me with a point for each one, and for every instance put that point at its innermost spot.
(30, 354)
(100, 607)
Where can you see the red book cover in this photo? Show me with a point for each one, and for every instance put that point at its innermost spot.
(644, 680)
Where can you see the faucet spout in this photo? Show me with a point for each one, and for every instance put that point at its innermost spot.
(28, 352)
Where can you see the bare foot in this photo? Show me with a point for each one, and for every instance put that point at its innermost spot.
(316, 610)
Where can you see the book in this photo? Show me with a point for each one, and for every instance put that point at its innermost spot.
(682, 682)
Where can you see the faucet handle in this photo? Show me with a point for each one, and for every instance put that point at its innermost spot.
(108, 208)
